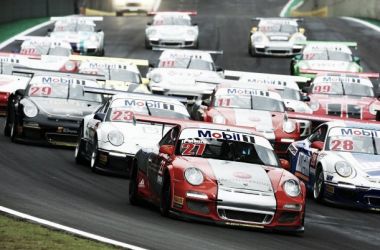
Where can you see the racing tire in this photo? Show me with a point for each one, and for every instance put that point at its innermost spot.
(133, 187)
(95, 156)
(166, 197)
(7, 126)
(13, 130)
(80, 148)
(319, 185)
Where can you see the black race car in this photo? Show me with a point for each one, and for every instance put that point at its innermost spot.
(50, 109)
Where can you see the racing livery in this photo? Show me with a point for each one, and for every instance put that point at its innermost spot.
(253, 106)
(171, 29)
(81, 33)
(176, 71)
(326, 56)
(49, 110)
(339, 163)
(343, 95)
(9, 84)
(110, 137)
(276, 37)
(219, 174)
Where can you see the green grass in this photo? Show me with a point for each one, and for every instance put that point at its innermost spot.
(19, 234)
(8, 30)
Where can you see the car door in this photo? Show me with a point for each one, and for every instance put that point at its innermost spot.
(307, 156)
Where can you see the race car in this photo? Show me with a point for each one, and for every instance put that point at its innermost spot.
(176, 71)
(327, 56)
(219, 174)
(49, 110)
(122, 6)
(339, 163)
(121, 74)
(253, 106)
(81, 33)
(38, 45)
(171, 29)
(9, 84)
(345, 95)
(110, 137)
(276, 37)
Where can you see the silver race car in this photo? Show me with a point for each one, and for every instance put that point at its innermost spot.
(125, 6)
(276, 37)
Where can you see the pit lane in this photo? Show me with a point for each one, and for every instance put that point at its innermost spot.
(46, 182)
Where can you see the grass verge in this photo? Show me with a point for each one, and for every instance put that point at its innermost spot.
(11, 29)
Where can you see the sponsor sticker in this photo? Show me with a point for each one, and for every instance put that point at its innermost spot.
(141, 184)
(330, 189)
(293, 149)
(103, 158)
(243, 225)
(178, 202)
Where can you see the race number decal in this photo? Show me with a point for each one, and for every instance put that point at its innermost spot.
(322, 89)
(347, 145)
(40, 91)
(224, 102)
(188, 148)
(28, 51)
(91, 72)
(167, 64)
(119, 115)
(309, 56)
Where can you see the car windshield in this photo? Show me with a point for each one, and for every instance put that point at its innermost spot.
(339, 88)
(72, 91)
(60, 51)
(172, 21)
(186, 63)
(354, 140)
(230, 150)
(156, 108)
(286, 28)
(290, 94)
(124, 75)
(74, 27)
(249, 102)
(328, 55)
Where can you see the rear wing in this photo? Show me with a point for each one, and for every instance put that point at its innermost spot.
(138, 62)
(236, 75)
(29, 72)
(90, 18)
(372, 75)
(349, 44)
(132, 94)
(278, 18)
(190, 13)
(214, 52)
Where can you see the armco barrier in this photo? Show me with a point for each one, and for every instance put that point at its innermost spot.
(333, 8)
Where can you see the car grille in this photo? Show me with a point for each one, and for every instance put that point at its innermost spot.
(246, 216)
(347, 194)
(171, 44)
(198, 206)
(288, 217)
(375, 201)
(32, 133)
(51, 137)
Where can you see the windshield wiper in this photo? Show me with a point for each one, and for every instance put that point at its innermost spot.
(344, 92)
(188, 65)
(374, 144)
(68, 91)
(147, 107)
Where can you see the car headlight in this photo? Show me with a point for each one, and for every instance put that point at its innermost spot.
(219, 119)
(94, 38)
(299, 38)
(157, 78)
(292, 188)
(193, 176)
(343, 168)
(152, 32)
(314, 105)
(372, 109)
(70, 66)
(30, 110)
(258, 38)
(191, 32)
(288, 127)
(116, 138)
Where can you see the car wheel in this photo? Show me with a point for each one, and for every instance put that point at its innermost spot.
(7, 126)
(13, 130)
(166, 196)
(133, 186)
(147, 44)
(319, 185)
(80, 148)
(94, 156)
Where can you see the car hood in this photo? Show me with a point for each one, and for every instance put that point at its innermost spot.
(74, 36)
(172, 30)
(278, 36)
(57, 107)
(328, 65)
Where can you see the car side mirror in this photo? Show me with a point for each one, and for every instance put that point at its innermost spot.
(195, 24)
(218, 69)
(167, 149)
(152, 65)
(20, 92)
(285, 164)
(99, 116)
(49, 30)
(357, 59)
(305, 98)
(149, 23)
(98, 30)
(297, 57)
(317, 145)
(302, 30)
(305, 90)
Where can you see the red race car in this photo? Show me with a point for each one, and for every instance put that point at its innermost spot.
(343, 95)
(220, 174)
(253, 106)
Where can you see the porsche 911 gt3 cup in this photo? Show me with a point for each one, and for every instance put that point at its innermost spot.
(325, 56)
(110, 137)
(122, 6)
(276, 37)
(171, 29)
(121, 74)
(176, 70)
(339, 163)
(38, 45)
(81, 33)
(9, 84)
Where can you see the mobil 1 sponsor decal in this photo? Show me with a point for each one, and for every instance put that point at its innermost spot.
(236, 91)
(216, 134)
(149, 104)
(359, 132)
(57, 80)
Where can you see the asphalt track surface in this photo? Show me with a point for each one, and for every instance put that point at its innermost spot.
(46, 182)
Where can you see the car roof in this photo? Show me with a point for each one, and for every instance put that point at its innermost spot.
(272, 21)
(320, 47)
(247, 89)
(103, 64)
(183, 53)
(270, 81)
(149, 97)
(342, 78)
(63, 80)
(164, 15)
(357, 125)
(45, 42)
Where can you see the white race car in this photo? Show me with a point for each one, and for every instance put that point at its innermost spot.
(176, 71)
(110, 137)
(339, 163)
(122, 6)
(81, 33)
(171, 29)
(276, 37)
(39, 45)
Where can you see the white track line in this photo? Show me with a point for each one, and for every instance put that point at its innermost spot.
(377, 28)
(156, 5)
(68, 229)
(286, 7)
